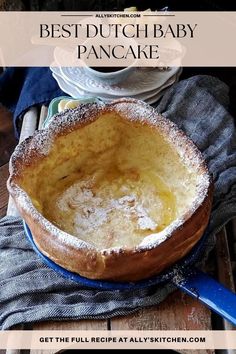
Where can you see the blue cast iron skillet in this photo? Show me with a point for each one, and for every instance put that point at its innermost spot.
(183, 274)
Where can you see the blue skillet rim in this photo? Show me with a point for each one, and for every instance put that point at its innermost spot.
(183, 265)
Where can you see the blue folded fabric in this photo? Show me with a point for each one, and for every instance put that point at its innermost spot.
(21, 88)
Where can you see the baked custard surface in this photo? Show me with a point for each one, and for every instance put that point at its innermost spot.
(111, 208)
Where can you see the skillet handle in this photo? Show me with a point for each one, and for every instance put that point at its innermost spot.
(211, 293)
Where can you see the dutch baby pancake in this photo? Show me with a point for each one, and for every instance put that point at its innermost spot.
(112, 191)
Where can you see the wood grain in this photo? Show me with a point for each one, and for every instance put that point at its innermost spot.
(177, 312)
(85, 325)
(225, 274)
(43, 115)
(7, 145)
(29, 126)
(7, 137)
(81, 325)
(4, 173)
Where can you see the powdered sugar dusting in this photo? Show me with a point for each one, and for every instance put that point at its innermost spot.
(91, 211)
(153, 240)
(136, 111)
(41, 142)
(146, 223)
(66, 239)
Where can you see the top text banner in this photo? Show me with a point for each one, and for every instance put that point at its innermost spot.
(119, 39)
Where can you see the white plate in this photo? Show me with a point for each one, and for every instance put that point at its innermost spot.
(68, 88)
(138, 82)
(57, 73)
(160, 93)
(74, 91)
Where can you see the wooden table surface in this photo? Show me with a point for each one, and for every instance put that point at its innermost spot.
(7, 145)
(177, 312)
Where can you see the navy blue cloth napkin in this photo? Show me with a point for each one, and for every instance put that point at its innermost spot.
(21, 88)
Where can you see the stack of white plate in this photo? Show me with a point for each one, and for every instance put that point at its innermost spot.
(147, 84)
